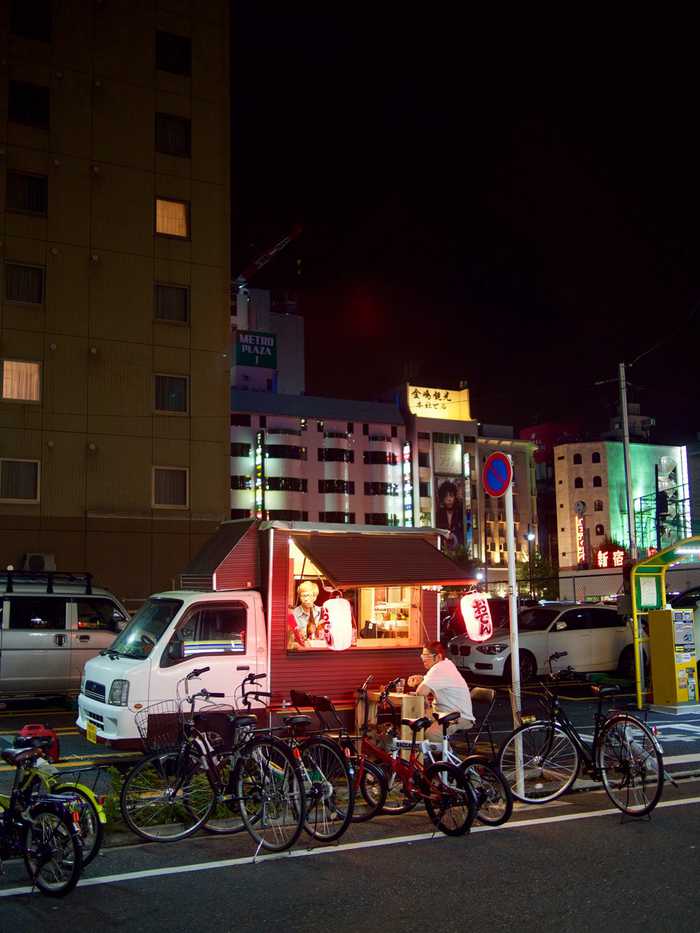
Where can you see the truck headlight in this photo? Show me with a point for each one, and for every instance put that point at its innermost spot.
(491, 649)
(119, 693)
(83, 678)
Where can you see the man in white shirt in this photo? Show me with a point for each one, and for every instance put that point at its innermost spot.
(447, 687)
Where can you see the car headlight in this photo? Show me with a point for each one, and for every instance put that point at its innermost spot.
(492, 649)
(119, 693)
(83, 678)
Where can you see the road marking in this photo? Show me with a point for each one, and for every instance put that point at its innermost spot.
(77, 761)
(343, 847)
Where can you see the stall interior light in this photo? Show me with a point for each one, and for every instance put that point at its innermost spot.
(689, 551)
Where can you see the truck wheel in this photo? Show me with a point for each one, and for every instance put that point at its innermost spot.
(625, 666)
(528, 667)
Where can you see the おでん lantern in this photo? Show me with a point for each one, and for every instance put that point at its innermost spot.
(476, 613)
(339, 626)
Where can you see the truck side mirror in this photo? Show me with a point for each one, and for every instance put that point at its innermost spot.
(176, 650)
(560, 626)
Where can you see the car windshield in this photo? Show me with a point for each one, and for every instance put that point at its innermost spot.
(536, 620)
(148, 625)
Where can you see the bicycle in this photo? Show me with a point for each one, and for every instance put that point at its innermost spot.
(448, 798)
(172, 792)
(325, 772)
(369, 784)
(41, 776)
(43, 831)
(541, 759)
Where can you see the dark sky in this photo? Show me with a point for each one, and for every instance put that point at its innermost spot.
(517, 210)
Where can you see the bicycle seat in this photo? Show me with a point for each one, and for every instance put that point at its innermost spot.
(415, 725)
(297, 720)
(606, 691)
(239, 721)
(18, 756)
(447, 718)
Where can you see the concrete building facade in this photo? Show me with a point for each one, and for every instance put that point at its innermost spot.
(114, 327)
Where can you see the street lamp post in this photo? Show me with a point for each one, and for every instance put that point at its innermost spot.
(530, 538)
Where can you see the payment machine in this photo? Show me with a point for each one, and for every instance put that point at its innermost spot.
(673, 660)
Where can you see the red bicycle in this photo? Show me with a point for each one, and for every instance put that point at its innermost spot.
(448, 798)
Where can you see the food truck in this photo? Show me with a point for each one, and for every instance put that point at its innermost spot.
(315, 608)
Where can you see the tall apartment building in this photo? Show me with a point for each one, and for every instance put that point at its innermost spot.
(114, 328)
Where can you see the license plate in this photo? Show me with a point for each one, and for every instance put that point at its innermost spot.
(91, 732)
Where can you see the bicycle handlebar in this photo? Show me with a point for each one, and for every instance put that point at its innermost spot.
(196, 672)
(557, 655)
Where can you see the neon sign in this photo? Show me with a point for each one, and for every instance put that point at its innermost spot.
(448, 404)
(580, 540)
(407, 485)
(259, 474)
(610, 558)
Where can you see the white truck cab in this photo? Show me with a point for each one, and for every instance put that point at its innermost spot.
(170, 635)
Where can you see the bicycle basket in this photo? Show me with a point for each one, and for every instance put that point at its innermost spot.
(160, 725)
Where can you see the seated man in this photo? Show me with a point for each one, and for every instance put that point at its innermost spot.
(447, 687)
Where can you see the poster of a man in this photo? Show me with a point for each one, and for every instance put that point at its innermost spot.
(306, 622)
(450, 510)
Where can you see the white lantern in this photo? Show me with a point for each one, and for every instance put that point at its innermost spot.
(339, 628)
(476, 613)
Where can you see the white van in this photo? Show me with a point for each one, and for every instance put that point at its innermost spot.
(51, 623)
(170, 635)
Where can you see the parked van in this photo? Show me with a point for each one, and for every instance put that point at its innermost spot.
(239, 611)
(51, 623)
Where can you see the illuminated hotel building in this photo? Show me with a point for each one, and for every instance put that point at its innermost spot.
(591, 501)
(114, 339)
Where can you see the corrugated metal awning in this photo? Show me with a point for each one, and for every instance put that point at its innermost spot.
(380, 560)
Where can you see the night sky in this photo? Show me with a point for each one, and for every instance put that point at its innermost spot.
(518, 211)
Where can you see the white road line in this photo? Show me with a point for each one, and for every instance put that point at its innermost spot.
(343, 847)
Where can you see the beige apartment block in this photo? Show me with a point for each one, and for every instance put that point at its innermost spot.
(114, 285)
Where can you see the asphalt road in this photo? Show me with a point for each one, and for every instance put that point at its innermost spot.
(574, 865)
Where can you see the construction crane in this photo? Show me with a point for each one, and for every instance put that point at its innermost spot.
(241, 281)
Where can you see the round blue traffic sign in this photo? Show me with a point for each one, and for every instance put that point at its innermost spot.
(497, 474)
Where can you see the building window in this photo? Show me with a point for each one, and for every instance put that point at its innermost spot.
(441, 438)
(262, 421)
(561, 457)
(31, 19)
(578, 482)
(423, 458)
(337, 518)
(351, 427)
(379, 456)
(598, 505)
(173, 135)
(599, 530)
(28, 104)
(285, 452)
(595, 457)
(241, 482)
(337, 486)
(381, 489)
(240, 450)
(334, 455)
(26, 193)
(365, 429)
(339, 434)
(287, 515)
(240, 513)
(423, 436)
(24, 283)
(21, 381)
(172, 303)
(19, 480)
(172, 218)
(320, 426)
(240, 420)
(394, 431)
(597, 481)
(173, 53)
(380, 518)
(578, 458)
(286, 484)
(171, 394)
(424, 490)
(170, 487)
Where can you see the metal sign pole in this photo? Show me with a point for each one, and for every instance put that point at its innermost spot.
(514, 640)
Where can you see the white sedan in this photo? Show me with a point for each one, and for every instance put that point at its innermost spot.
(595, 638)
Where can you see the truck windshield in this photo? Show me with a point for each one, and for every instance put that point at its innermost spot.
(145, 629)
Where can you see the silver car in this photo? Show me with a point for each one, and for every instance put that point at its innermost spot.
(595, 637)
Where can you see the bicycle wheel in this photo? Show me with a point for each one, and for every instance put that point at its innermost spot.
(370, 792)
(494, 801)
(52, 851)
(91, 829)
(631, 765)
(225, 818)
(397, 800)
(166, 797)
(449, 800)
(330, 797)
(270, 794)
(550, 762)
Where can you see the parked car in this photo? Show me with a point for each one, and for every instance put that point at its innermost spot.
(687, 600)
(51, 623)
(595, 637)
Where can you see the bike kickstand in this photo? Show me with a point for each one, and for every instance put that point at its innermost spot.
(669, 777)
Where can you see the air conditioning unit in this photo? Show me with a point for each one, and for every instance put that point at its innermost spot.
(36, 563)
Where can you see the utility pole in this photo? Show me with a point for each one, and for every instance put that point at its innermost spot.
(628, 462)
